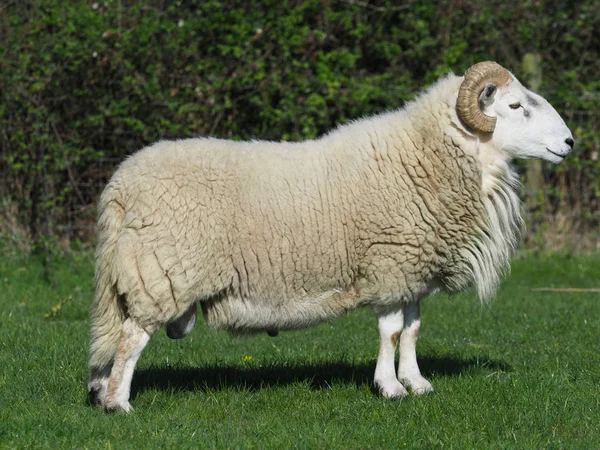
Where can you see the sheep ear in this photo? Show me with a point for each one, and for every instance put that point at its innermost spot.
(486, 98)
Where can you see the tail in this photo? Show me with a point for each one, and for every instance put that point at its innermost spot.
(107, 312)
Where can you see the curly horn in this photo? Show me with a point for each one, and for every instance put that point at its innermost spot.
(467, 104)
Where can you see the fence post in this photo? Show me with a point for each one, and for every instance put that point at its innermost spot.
(534, 176)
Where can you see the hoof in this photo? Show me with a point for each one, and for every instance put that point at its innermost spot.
(94, 397)
(392, 389)
(96, 393)
(113, 407)
(417, 385)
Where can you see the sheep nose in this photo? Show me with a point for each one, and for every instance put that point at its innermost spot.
(569, 142)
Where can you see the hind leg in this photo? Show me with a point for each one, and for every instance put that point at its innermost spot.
(183, 325)
(103, 346)
(98, 384)
(133, 340)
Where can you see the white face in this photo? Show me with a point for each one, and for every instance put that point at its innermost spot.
(527, 126)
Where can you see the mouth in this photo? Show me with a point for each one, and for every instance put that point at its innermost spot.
(556, 154)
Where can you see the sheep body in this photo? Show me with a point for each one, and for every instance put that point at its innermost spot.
(280, 235)
(273, 236)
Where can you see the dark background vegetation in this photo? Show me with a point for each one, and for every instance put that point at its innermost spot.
(85, 83)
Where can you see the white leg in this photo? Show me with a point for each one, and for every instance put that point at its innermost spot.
(390, 326)
(133, 340)
(408, 369)
(98, 384)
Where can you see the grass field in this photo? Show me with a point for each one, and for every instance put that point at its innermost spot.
(523, 372)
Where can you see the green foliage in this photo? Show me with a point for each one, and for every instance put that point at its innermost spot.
(83, 80)
(519, 373)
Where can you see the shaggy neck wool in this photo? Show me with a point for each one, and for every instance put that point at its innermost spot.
(499, 232)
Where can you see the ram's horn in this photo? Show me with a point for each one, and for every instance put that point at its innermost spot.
(467, 104)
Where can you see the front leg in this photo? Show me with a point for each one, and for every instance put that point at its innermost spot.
(408, 368)
(390, 326)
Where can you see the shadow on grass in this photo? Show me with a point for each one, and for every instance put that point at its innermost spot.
(318, 376)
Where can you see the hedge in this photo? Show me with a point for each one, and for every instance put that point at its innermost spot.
(85, 83)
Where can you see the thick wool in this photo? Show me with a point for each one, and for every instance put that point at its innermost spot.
(273, 236)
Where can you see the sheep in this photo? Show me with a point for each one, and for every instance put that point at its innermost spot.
(267, 236)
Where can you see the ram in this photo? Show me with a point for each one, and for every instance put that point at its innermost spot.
(270, 236)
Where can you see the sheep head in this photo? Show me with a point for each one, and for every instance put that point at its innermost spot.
(522, 124)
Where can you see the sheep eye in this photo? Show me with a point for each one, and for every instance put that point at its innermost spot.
(515, 106)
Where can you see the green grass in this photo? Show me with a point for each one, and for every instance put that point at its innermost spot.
(522, 372)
